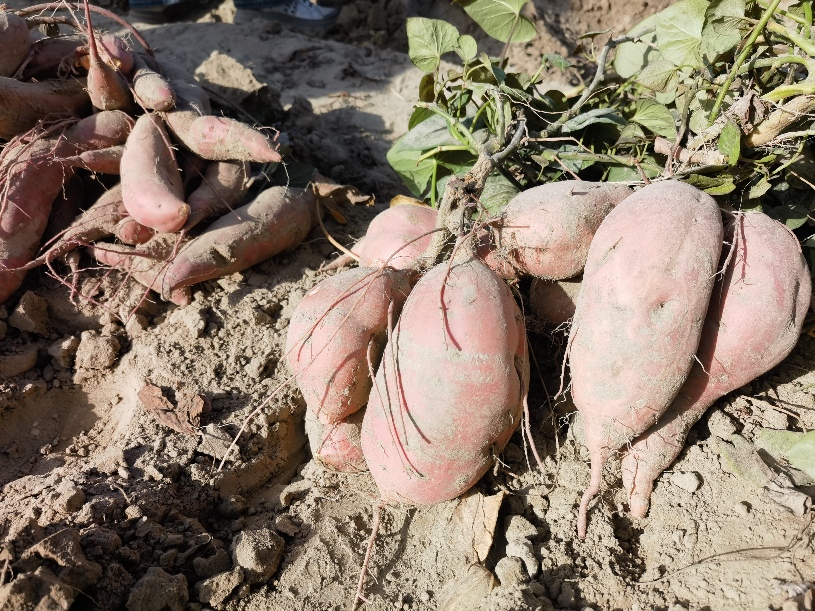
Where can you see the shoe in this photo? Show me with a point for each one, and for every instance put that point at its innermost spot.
(297, 13)
(156, 15)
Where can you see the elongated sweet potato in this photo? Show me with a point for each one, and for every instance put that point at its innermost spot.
(107, 88)
(646, 288)
(275, 221)
(52, 57)
(151, 181)
(23, 105)
(336, 446)
(14, 42)
(753, 322)
(450, 390)
(152, 90)
(546, 231)
(336, 328)
(554, 300)
(223, 186)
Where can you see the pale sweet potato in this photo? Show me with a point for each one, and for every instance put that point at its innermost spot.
(753, 322)
(642, 303)
(450, 390)
(152, 90)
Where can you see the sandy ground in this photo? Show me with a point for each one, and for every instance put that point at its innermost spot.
(104, 507)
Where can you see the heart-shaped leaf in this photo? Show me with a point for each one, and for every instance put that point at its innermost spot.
(428, 40)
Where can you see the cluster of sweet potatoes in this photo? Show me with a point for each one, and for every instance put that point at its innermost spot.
(417, 368)
(88, 102)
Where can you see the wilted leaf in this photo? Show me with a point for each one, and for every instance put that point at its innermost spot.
(184, 418)
(656, 117)
(428, 40)
(713, 185)
(777, 443)
(427, 88)
(730, 142)
(498, 18)
(596, 115)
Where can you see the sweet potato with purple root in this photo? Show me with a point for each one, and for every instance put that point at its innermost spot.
(14, 42)
(337, 446)
(554, 301)
(151, 181)
(336, 336)
(546, 231)
(638, 321)
(450, 390)
(753, 322)
(23, 105)
(646, 288)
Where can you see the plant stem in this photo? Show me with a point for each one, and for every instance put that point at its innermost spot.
(509, 39)
(745, 53)
(796, 18)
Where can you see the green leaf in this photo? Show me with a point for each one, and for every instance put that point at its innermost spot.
(428, 134)
(659, 75)
(723, 25)
(679, 32)
(427, 88)
(419, 115)
(631, 134)
(786, 91)
(719, 184)
(467, 48)
(596, 115)
(555, 60)
(654, 116)
(792, 215)
(414, 173)
(630, 173)
(497, 193)
(777, 443)
(802, 454)
(759, 189)
(631, 57)
(730, 142)
(498, 19)
(428, 40)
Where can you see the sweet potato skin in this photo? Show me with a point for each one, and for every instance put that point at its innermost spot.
(449, 392)
(546, 231)
(329, 334)
(337, 446)
(23, 105)
(277, 220)
(646, 287)
(14, 42)
(753, 322)
(223, 186)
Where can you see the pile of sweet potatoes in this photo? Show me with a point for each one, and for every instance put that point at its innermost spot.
(85, 102)
(416, 366)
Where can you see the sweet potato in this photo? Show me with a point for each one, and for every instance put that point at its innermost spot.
(23, 105)
(102, 161)
(554, 301)
(152, 90)
(33, 177)
(753, 323)
(275, 221)
(646, 288)
(14, 42)
(450, 390)
(151, 181)
(337, 446)
(336, 328)
(107, 88)
(223, 186)
(130, 231)
(68, 205)
(52, 57)
(546, 231)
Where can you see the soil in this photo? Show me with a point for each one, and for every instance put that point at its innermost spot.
(102, 506)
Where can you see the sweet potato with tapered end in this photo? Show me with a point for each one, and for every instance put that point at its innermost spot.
(639, 316)
(107, 87)
(151, 181)
(546, 231)
(32, 177)
(554, 301)
(23, 105)
(327, 344)
(223, 139)
(397, 236)
(753, 322)
(450, 390)
(497, 260)
(14, 42)
(130, 231)
(337, 446)
(277, 220)
(102, 161)
(223, 186)
(152, 90)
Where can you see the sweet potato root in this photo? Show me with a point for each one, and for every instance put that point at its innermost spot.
(107, 88)
(753, 323)
(23, 105)
(546, 231)
(223, 186)
(337, 446)
(450, 390)
(14, 42)
(340, 324)
(646, 288)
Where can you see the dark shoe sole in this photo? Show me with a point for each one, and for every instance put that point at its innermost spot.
(244, 16)
(158, 14)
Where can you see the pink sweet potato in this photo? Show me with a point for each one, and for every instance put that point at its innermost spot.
(152, 90)
(554, 301)
(151, 181)
(23, 105)
(336, 446)
(336, 328)
(277, 220)
(223, 186)
(753, 323)
(14, 42)
(546, 231)
(102, 161)
(450, 390)
(130, 231)
(646, 287)
(223, 139)
(53, 57)
(107, 88)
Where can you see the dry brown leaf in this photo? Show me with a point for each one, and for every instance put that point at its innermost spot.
(184, 418)
(401, 200)
(331, 193)
(474, 520)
